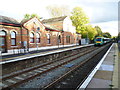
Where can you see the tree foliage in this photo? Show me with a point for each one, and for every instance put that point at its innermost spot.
(99, 31)
(79, 19)
(89, 32)
(28, 16)
(57, 11)
(107, 35)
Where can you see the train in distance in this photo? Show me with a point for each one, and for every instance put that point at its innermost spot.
(101, 41)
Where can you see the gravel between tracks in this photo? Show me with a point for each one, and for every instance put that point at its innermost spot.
(46, 78)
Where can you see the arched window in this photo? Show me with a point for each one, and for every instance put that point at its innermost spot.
(2, 38)
(31, 37)
(59, 39)
(2, 33)
(37, 37)
(48, 38)
(13, 38)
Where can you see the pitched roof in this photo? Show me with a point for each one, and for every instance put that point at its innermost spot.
(55, 26)
(26, 20)
(53, 23)
(4, 19)
(54, 19)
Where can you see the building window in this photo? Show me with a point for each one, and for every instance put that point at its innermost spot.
(3, 43)
(37, 37)
(67, 39)
(38, 28)
(48, 38)
(59, 39)
(2, 33)
(2, 38)
(13, 38)
(31, 37)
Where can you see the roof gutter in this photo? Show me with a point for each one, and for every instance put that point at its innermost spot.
(10, 24)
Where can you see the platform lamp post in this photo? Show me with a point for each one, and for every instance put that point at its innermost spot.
(77, 39)
(58, 39)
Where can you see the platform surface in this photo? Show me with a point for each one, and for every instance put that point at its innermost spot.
(42, 52)
(107, 75)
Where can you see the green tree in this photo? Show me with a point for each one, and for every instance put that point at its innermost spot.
(107, 35)
(28, 16)
(99, 31)
(57, 11)
(79, 19)
(89, 32)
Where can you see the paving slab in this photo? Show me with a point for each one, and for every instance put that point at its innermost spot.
(105, 75)
(106, 67)
(108, 62)
(99, 83)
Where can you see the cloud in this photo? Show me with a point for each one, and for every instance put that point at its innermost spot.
(111, 27)
(20, 7)
(97, 10)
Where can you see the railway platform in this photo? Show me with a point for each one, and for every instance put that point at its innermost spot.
(44, 51)
(106, 76)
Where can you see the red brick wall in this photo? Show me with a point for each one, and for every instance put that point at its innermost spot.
(8, 30)
(72, 38)
(43, 38)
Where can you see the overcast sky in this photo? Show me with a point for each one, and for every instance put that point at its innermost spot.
(100, 12)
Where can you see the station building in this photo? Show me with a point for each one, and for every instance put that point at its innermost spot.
(32, 34)
(10, 34)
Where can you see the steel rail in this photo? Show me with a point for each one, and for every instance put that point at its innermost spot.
(31, 77)
(72, 70)
(30, 69)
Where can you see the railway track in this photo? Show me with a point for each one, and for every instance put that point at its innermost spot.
(72, 79)
(23, 76)
(16, 79)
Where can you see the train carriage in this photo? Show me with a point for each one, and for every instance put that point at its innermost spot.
(99, 41)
